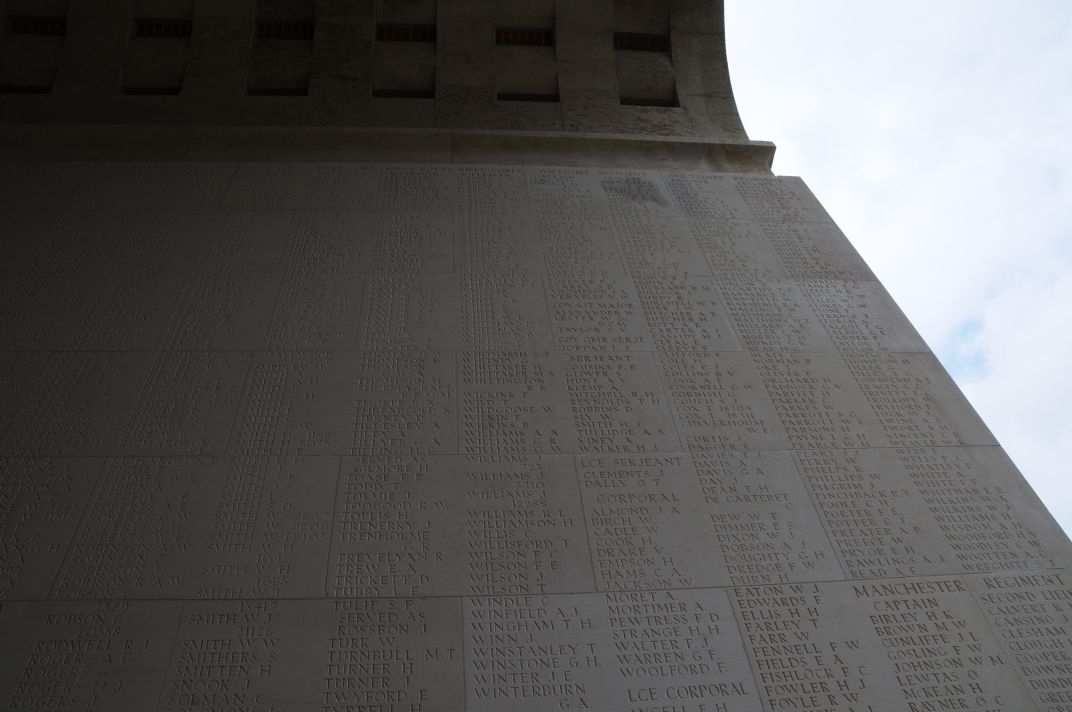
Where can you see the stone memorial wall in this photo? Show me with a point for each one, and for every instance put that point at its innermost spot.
(342, 437)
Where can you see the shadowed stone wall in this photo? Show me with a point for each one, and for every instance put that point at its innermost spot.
(362, 419)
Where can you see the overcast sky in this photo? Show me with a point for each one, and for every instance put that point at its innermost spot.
(939, 136)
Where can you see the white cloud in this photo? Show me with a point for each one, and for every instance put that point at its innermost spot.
(937, 135)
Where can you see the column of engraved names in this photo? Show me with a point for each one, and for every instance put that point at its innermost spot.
(204, 528)
(41, 503)
(643, 515)
(679, 299)
(939, 648)
(679, 651)
(618, 403)
(819, 407)
(94, 656)
(458, 524)
(971, 495)
(761, 518)
(228, 655)
(514, 402)
(801, 658)
(524, 529)
(592, 302)
(533, 653)
(720, 403)
(406, 403)
(394, 655)
(382, 542)
(1031, 614)
(872, 515)
(915, 400)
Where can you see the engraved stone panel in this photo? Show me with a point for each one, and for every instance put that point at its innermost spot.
(720, 403)
(411, 311)
(223, 310)
(499, 243)
(203, 528)
(514, 402)
(187, 405)
(781, 200)
(161, 241)
(814, 250)
(79, 405)
(915, 644)
(572, 191)
(618, 403)
(637, 650)
(596, 310)
(41, 501)
(453, 524)
(18, 373)
(820, 406)
(915, 400)
(73, 241)
(735, 251)
(860, 315)
(348, 403)
(402, 242)
(418, 188)
(424, 437)
(504, 310)
(705, 196)
(85, 655)
(774, 317)
(579, 243)
(1031, 614)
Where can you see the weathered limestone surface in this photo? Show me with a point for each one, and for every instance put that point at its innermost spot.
(511, 393)
(343, 436)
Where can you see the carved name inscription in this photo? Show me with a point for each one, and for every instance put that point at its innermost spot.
(431, 437)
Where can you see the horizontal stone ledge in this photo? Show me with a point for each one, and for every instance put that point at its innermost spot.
(216, 143)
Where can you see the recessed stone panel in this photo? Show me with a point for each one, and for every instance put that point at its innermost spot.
(814, 250)
(407, 311)
(596, 310)
(888, 644)
(41, 502)
(419, 437)
(1030, 613)
(198, 528)
(348, 403)
(618, 403)
(79, 405)
(514, 402)
(820, 406)
(720, 402)
(455, 525)
(774, 316)
(605, 652)
(708, 196)
(735, 251)
(915, 400)
(94, 655)
(860, 315)
(571, 191)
